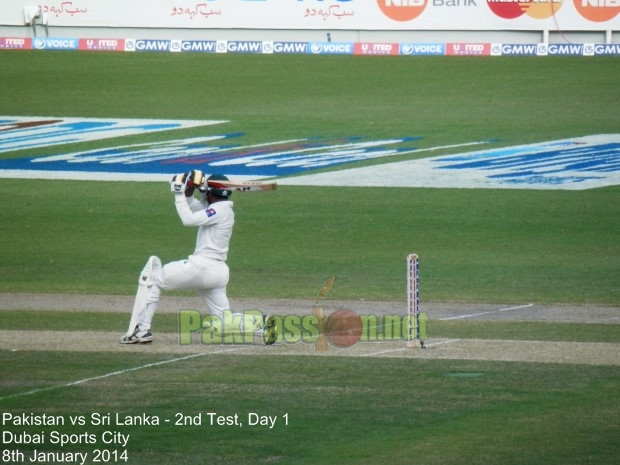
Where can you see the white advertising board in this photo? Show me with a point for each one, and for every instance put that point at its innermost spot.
(397, 15)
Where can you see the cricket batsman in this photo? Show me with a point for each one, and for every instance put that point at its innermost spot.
(205, 270)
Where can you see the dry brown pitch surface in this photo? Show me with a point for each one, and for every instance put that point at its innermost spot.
(465, 349)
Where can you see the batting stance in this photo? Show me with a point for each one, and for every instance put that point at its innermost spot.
(205, 270)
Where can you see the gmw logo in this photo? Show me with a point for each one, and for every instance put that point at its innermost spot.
(156, 45)
(245, 46)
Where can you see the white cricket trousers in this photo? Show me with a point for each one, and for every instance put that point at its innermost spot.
(207, 276)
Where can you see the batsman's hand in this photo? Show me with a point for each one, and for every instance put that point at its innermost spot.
(195, 178)
(178, 184)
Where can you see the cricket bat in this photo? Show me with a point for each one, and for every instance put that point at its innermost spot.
(245, 186)
(321, 343)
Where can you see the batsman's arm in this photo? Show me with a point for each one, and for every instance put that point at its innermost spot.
(193, 216)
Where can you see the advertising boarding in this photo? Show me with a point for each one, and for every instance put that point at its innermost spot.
(556, 15)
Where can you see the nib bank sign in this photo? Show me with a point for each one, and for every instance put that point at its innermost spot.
(592, 10)
(402, 10)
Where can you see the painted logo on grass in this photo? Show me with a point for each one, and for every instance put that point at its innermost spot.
(587, 161)
(21, 133)
(578, 163)
(218, 154)
(156, 160)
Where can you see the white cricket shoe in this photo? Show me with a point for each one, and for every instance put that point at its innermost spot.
(142, 337)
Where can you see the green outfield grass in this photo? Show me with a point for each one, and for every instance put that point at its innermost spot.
(509, 246)
(475, 245)
(338, 409)
(446, 100)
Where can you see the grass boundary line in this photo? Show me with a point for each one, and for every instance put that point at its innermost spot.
(114, 373)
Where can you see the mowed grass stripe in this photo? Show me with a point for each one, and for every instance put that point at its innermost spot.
(168, 323)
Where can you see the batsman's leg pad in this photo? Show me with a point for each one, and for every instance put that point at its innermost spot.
(152, 273)
(147, 295)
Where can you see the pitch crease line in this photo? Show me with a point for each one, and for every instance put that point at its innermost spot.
(115, 373)
(449, 341)
(383, 352)
(486, 313)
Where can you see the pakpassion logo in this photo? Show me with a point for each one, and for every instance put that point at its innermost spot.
(343, 328)
(539, 9)
(402, 10)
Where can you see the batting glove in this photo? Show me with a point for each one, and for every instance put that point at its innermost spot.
(178, 184)
(195, 178)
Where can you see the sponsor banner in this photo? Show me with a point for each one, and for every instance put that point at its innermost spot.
(552, 15)
(108, 45)
(287, 47)
(468, 49)
(331, 48)
(606, 49)
(423, 49)
(572, 164)
(25, 132)
(327, 48)
(369, 48)
(243, 46)
(15, 43)
(203, 46)
(148, 45)
(565, 49)
(55, 43)
(515, 49)
(555, 49)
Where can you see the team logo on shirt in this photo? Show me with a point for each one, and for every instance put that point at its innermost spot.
(210, 212)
